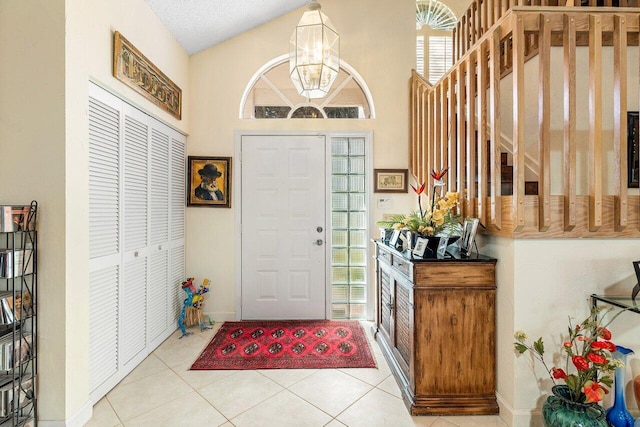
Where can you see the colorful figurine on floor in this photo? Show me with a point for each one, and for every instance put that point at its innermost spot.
(192, 306)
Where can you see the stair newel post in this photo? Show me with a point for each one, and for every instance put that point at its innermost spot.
(544, 122)
(569, 48)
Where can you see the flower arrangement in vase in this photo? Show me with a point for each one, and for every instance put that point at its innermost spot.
(586, 372)
(438, 219)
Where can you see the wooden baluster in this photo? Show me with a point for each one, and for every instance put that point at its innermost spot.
(484, 17)
(462, 135)
(414, 136)
(544, 124)
(494, 117)
(437, 128)
(453, 147)
(454, 43)
(443, 124)
(595, 122)
(426, 153)
(481, 146)
(569, 49)
(518, 122)
(471, 133)
(620, 125)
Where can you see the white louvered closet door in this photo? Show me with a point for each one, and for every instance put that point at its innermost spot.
(158, 287)
(104, 237)
(177, 224)
(136, 236)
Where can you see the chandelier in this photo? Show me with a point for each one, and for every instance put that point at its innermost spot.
(314, 56)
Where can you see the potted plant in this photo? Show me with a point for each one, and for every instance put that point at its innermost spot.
(584, 379)
(438, 219)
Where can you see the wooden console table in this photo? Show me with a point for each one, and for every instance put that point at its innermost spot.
(436, 327)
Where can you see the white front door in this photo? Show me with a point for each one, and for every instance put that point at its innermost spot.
(283, 227)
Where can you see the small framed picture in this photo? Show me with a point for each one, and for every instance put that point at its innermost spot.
(469, 230)
(209, 182)
(421, 246)
(395, 237)
(442, 246)
(390, 180)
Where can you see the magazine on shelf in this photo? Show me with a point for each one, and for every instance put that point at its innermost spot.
(19, 264)
(23, 389)
(14, 350)
(14, 307)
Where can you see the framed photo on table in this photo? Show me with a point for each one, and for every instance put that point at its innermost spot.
(469, 230)
(390, 180)
(421, 246)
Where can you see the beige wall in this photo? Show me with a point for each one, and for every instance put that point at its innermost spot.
(55, 47)
(377, 38)
(32, 159)
(541, 282)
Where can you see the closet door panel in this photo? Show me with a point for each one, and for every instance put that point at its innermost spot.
(177, 226)
(158, 296)
(135, 184)
(104, 238)
(134, 311)
(158, 288)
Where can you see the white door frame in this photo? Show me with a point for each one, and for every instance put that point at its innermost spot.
(237, 196)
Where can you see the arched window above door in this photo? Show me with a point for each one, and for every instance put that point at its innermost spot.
(270, 94)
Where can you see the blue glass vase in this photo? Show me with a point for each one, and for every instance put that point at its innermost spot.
(560, 411)
(618, 415)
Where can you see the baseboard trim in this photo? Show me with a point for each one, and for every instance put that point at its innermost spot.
(79, 419)
(521, 418)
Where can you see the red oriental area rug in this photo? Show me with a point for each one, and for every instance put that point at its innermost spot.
(292, 344)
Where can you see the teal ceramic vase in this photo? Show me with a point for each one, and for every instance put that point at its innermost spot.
(618, 415)
(560, 411)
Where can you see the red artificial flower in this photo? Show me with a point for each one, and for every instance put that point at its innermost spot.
(604, 333)
(567, 344)
(597, 359)
(594, 391)
(437, 175)
(580, 363)
(606, 345)
(418, 190)
(559, 374)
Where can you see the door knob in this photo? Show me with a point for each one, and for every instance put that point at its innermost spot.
(318, 242)
(319, 229)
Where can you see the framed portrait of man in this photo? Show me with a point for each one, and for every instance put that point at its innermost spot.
(209, 181)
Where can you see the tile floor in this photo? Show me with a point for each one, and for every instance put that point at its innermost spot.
(162, 392)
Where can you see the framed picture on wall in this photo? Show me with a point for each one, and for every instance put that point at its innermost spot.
(209, 182)
(390, 180)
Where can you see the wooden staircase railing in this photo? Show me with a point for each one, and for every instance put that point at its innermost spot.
(483, 14)
(457, 123)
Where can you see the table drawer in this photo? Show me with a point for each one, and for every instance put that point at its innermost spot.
(402, 265)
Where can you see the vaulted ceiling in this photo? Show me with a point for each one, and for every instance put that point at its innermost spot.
(199, 24)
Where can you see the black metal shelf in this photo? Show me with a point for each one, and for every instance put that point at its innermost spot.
(18, 303)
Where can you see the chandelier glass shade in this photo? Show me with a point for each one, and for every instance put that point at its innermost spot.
(314, 56)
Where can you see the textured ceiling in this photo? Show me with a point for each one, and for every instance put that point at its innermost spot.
(199, 24)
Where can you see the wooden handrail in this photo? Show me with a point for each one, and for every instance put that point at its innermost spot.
(457, 123)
